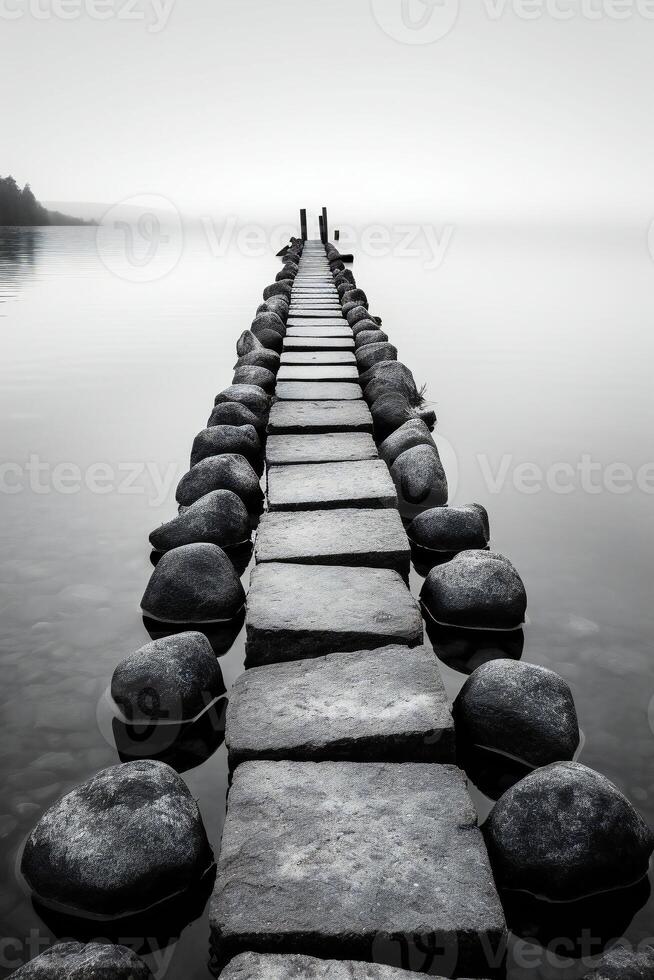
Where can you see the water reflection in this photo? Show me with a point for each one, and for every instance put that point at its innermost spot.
(221, 636)
(493, 774)
(465, 650)
(183, 746)
(19, 248)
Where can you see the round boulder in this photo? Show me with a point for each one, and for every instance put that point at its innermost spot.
(389, 412)
(449, 529)
(428, 416)
(268, 321)
(229, 471)
(175, 678)
(519, 709)
(367, 326)
(250, 395)
(235, 413)
(476, 589)
(281, 288)
(355, 296)
(369, 354)
(75, 961)
(276, 304)
(247, 374)
(419, 478)
(247, 343)
(195, 583)
(357, 313)
(218, 439)
(412, 433)
(565, 832)
(264, 357)
(622, 963)
(365, 338)
(388, 376)
(220, 517)
(126, 839)
(270, 339)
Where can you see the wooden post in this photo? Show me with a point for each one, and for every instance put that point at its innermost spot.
(325, 226)
(322, 228)
(337, 234)
(303, 224)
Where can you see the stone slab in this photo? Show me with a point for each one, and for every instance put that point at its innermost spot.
(318, 372)
(317, 390)
(300, 611)
(319, 416)
(314, 308)
(317, 328)
(322, 486)
(297, 314)
(294, 966)
(378, 705)
(326, 447)
(346, 536)
(319, 343)
(357, 860)
(318, 357)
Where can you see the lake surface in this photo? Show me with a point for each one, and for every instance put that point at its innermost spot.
(536, 346)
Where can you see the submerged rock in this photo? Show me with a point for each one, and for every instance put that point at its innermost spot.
(75, 961)
(175, 678)
(263, 357)
(388, 376)
(566, 832)
(519, 709)
(235, 413)
(228, 471)
(449, 529)
(389, 412)
(250, 395)
(247, 343)
(195, 583)
(622, 963)
(412, 433)
(128, 838)
(419, 477)
(477, 589)
(268, 321)
(248, 375)
(282, 288)
(219, 439)
(220, 517)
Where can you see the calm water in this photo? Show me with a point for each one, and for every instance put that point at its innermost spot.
(536, 347)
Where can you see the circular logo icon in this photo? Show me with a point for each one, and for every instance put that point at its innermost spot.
(415, 21)
(141, 239)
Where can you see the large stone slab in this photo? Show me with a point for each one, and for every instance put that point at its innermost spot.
(322, 486)
(325, 447)
(318, 372)
(345, 536)
(385, 704)
(358, 860)
(275, 966)
(299, 611)
(319, 343)
(306, 319)
(317, 390)
(319, 416)
(318, 357)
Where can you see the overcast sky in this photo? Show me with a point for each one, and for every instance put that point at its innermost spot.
(521, 107)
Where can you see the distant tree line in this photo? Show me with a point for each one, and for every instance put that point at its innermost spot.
(20, 207)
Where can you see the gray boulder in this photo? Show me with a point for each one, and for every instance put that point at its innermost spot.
(412, 433)
(175, 678)
(247, 343)
(565, 832)
(622, 963)
(276, 304)
(356, 296)
(345, 275)
(389, 412)
(249, 395)
(229, 471)
(218, 439)
(235, 413)
(356, 314)
(128, 838)
(388, 376)
(477, 589)
(264, 357)
(268, 321)
(195, 583)
(282, 288)
(519, 709)
(220, 517)
(287, 272)
(449, 529)
(428, 416)
(368, 354)
(75, 961)
(419, 477)
(270, 339)
(248, 375)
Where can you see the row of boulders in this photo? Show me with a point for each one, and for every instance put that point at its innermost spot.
(563, 831)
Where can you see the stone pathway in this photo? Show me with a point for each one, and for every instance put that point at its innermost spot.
(348, 829)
